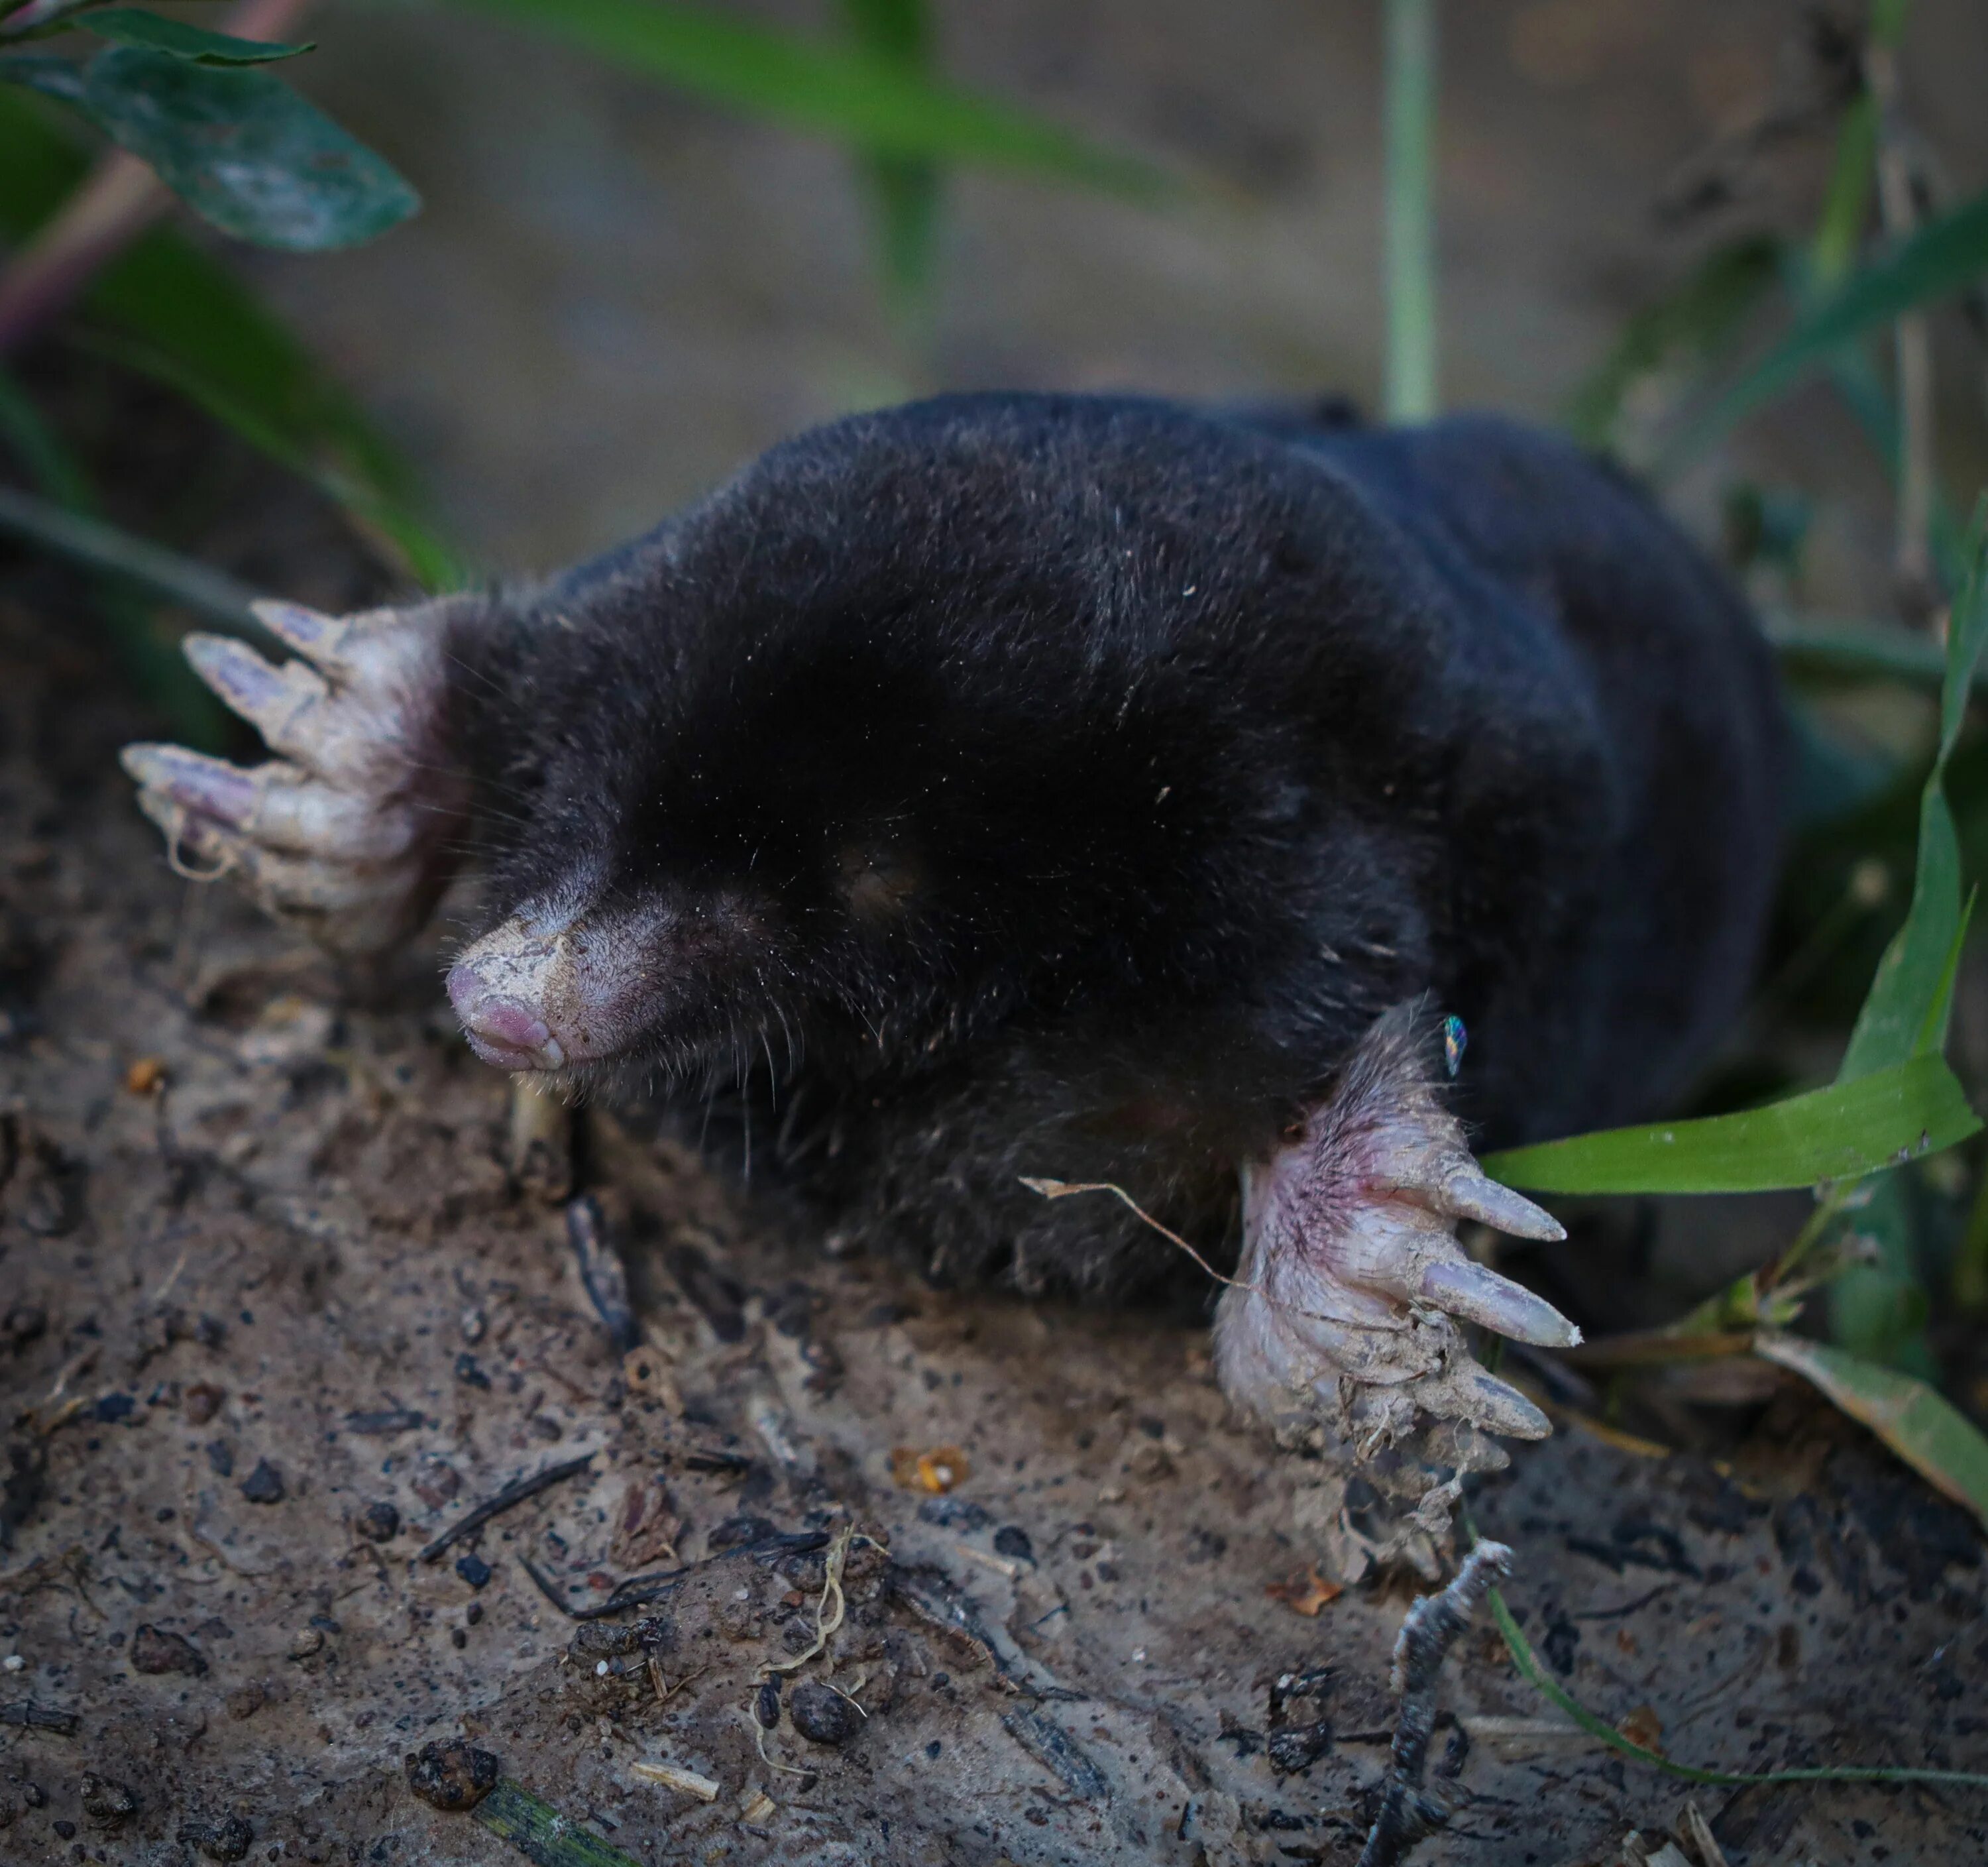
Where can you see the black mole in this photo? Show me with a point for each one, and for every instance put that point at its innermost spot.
(1088, 789)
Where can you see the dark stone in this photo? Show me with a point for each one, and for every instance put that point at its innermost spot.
(451, 1776)
(821, 1715)
(955, 1514)
(378, 1523)
(228, 1840)
(112, 1407)
(107, 1803)
(264, 1485)
(220, 1458)
(1298, 1747)
(766, 1704)
(1011, 1539)
(385, 1423)
(469, 1371)
(473, 1569)
(153, 1650)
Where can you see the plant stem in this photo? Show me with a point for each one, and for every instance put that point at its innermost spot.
(100, 547)
(1410, 141)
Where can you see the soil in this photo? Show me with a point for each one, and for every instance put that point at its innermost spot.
(278, 1312)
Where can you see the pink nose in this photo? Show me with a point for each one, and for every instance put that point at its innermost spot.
(501, 1030)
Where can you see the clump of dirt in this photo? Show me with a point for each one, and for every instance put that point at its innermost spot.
(944, 1577)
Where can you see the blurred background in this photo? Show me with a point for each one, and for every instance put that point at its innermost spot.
(617, 289)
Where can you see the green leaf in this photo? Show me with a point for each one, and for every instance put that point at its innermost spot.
(857, 96)
(1841, 1132)
(1945, 254)
(173, 311)
(53, 77)
(539, 1832)
(1894, 1022)
(245, 151)
(1939, 1443)
(130, 25)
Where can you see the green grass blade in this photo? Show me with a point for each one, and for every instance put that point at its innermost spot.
(1410, 133)
(1894, 1022)
(1688, 327)
(1843, 1131)
(905, 191)
(854, 95)
(1942, 256)
(1536, 1677)
(1937, 1440)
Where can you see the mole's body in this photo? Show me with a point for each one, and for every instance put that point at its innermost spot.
(1064, 787)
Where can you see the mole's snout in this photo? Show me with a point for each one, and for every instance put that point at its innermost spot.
(509, 990)
(505, 1031)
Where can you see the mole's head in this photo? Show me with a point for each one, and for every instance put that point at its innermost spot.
(929, 717)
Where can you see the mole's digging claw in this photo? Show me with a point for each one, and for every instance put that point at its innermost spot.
(1342, 1321)
(1480, 1295)
(313, 636)
(1461, 1188)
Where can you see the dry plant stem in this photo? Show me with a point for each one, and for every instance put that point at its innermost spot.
(1430, 1629)
(1912, 342)
(121, 198)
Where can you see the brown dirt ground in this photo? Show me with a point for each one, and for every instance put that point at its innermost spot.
(278, 1274)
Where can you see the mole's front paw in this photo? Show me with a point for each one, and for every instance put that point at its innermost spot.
(1344, 1317)
(349, 835)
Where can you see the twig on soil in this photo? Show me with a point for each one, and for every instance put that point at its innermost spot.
(602, 1273)
(515, 1493)
(1430, 1629)
(639, 1591)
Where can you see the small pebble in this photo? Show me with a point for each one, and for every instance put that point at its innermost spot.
(202, 1400)
(13, 1662)
(468, 1372)
(220, 1458)
(473, 1325)
(378, 1523)
(264, 1485)
(229, 1840)
(305, 1642)
(473, 1569)
(1011, 1539)
(451, 1776)
(821, 1715)
(153, 1650)
(107, 1803)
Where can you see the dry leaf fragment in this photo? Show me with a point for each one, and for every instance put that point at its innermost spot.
(1643, 1727)
(757, 1807)
(936, 1471)
(145, 1075)
(1305, 1593)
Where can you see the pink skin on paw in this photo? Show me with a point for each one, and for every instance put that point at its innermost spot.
(1350, 1276)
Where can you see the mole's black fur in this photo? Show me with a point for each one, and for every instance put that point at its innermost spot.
(1061, 786)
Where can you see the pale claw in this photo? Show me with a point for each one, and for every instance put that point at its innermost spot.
(1480, 1295)
(1464, 1190)
(313, 636)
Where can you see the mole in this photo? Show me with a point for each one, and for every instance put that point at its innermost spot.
(1011, 794)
